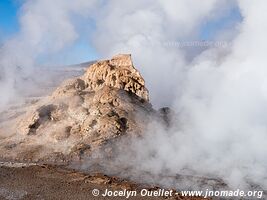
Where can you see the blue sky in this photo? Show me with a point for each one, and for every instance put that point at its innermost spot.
(227, 20)
(81, 51)
(8, 18)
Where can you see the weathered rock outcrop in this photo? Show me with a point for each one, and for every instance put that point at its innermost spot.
(84, 113)
(118, 72)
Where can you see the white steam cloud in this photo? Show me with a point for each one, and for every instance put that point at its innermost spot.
(144, 28)
(220, 94)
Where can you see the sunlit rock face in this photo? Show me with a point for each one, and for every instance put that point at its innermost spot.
(118, 72)
(110, 100)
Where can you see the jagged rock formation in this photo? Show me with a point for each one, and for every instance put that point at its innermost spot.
(118, 72)
(83, 114)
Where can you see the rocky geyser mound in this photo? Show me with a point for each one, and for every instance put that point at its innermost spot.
(83, 114)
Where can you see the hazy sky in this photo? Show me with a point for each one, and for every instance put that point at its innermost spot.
(9, 25)
(81, 50)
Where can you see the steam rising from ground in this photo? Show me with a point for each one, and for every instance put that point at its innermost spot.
(219, 95)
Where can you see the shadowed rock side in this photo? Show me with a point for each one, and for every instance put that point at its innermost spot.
(82, 115)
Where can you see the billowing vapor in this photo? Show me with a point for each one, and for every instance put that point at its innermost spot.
(145, 29)
(218, 93)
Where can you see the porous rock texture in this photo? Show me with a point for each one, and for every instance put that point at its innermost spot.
(118, 72)
(83, 114)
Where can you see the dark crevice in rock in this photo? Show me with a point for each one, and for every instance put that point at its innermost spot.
(94, 122)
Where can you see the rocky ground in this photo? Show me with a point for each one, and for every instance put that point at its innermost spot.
(22, 182)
